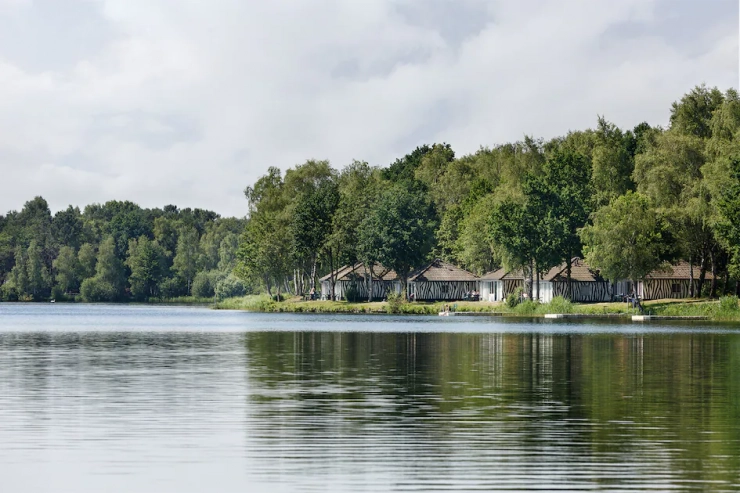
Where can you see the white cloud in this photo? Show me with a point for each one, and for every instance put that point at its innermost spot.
(189, 104)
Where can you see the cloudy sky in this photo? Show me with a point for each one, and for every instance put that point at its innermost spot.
(189, 101)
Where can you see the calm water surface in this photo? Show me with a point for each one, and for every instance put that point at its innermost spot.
(172, 399)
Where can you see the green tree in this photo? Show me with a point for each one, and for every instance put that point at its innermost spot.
(612, 162)
(692, 115)
(67, 268)
(625, 240)
(67, 227)
(186, 258)
(398, 231)
(146, 260)
(87, 258)
(110, 277)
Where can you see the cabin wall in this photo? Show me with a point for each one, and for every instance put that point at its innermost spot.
(584, 292)
(486, 291)
(380, 288)
(442, 290)
(656, 289)
(508, 286)
(546, 290)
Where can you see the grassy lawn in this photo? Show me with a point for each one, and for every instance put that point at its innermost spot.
(726, 309)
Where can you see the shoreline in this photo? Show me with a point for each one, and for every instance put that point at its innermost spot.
(725, 310)
(711, 310)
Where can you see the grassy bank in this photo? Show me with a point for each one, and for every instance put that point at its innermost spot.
(726, 309)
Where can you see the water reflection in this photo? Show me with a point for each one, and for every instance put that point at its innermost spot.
(178, 403)
(460, 411)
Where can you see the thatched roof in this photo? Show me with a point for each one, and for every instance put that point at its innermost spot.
(579, 271)
(442, 271)
(357, 272)
(680, 271)
(502, 274)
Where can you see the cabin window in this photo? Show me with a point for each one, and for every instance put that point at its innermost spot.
(675, 288)
(444, 288)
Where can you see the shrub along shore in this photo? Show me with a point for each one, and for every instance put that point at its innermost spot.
(726, 309)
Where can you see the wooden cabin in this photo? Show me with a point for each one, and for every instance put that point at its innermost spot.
(587, 285)
(355, 278)
(673, 282)
(497, 285)
(442, 281)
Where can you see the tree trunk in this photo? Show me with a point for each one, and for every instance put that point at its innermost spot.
(713, 286)
(727, 281)
(737, 288)
(537, 272)
(531, 279)
(569, 286)
(268, 286)
(332, 275)
(369, 283)
(702, 276)
(692, 287)
(312, 282)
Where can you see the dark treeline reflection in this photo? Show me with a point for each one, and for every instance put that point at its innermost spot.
(617, 409)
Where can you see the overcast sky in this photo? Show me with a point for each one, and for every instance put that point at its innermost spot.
(186, 102)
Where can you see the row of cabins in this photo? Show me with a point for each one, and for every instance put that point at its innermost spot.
(443, 281)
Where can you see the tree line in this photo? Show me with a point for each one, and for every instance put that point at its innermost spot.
(629, 201)
(117, 251)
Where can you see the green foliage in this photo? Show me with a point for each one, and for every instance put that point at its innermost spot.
(397, 231)
(87, 260)
(204, 283)
(172, 287)
(231, 286)
(625, 239)
(98, 289)
(186, 257)
(396, 302)
(558, 305)
(728, 304)
(527, 307)
(515, 297)
(147, 262)
(68, 270)
(351, 293)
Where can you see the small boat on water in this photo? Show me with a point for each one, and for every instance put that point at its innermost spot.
(53, 300)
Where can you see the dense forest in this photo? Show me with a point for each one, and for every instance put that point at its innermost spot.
(628, 201)
(117, 251)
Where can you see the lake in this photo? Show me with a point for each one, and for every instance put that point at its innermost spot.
(177, 399)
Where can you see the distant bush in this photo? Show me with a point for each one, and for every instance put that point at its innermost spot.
(229, 287)
(172, 287)
(278, 297)
(203, 287)
(352, 293)
(95, 289)
(57, 293)
(515, 297)
(396, 301)
(728, 304)
(527, 307)
(559, 305)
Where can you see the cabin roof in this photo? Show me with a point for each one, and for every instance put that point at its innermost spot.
(440, 270)
(579, 271)
(357, 271)
(678, 271)
(503, 274)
